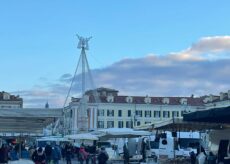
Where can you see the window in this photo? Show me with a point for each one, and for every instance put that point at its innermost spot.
(166, 114)
(71, 113)
(110, 124)
(175, 113)
(129, 113)
(139, 113)
(110, 113)
(100, 124)
(119, 113)
(128, 124)
(148, 113)
(6, 106)
(157, 114)
(147, 122)
(120, 124)
(100, 112)
(138, 123)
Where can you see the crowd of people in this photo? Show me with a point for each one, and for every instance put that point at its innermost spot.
(68, 152)
(53, 153)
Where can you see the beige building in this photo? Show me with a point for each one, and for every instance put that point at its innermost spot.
(119, 111)
(8, 101)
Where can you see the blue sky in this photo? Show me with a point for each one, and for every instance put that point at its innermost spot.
(38, 44)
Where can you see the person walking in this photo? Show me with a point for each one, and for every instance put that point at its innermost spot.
(192, 157)
(103, 156)
(126, 154)
(56, 154)
(143, 149)
(48, 152)
(83, 155)
(68, 153)
(3, 154)
(63, 151)
(39, 156)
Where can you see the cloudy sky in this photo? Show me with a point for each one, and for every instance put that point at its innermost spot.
(156, 48)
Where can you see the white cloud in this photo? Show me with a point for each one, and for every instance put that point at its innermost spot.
(190, 71)
(206, 48)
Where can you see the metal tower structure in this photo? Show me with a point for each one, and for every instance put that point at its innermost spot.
(82, 117)
(80, 120)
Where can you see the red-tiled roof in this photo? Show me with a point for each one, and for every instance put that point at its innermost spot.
(193, 101)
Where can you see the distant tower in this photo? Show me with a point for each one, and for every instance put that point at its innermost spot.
(47, 105)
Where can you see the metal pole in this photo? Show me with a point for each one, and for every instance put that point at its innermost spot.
(83, 70)
(135, 117)
(20, 148)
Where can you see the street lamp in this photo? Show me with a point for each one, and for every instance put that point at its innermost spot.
(135, 110)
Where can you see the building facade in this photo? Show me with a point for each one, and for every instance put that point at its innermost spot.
(8, 101)
(217, 101)
(117, 111)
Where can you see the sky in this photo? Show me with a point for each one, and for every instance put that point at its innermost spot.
(155, 48)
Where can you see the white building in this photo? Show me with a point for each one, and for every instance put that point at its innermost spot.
(217, 101)
(8, 101)
(115, 110)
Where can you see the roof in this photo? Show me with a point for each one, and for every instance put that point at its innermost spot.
(104, 93)
(27, 120)
(193, 101)
(12, 97)
(217, 115)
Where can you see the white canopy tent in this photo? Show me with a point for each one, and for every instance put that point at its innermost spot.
(53, 138)
(82, 136)
(122, 133)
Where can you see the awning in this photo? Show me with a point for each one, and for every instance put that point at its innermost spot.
(180, 125)
(144, 127)
(122, 133)
(217, 115)
(26, 121)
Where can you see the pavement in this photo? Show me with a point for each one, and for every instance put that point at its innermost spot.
(26, 161)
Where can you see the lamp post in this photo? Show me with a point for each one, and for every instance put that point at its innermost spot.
(135, 116)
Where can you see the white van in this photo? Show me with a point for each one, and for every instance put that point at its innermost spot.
(181, 144)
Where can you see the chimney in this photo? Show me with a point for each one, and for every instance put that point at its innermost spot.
(147, 99)
(221, 96)
(211, 98)
(110, 99)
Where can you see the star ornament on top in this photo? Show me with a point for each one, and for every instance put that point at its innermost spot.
(83, 42)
